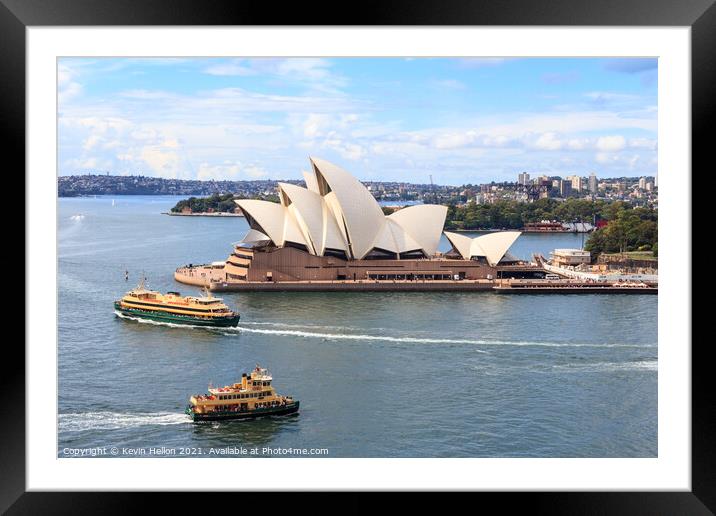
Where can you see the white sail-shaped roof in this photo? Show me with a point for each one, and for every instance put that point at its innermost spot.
(254, 237)
(332, 236)
(292, 231)
(461, 243)
(423, 223)
(311, 183)
(307, 208)
(337, 213)
(492, 246)
(266, 217)
(355, 207)
(495, 245)
(394, 238)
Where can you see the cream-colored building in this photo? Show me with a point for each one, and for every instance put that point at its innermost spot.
(335, 230)
(570, 257)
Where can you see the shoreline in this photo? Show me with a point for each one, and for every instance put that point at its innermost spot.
(214, 214)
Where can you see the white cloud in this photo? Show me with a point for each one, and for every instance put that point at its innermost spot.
(96, 124)
(609, 96)
(230, 171)
(312, 72)
(347, 150)
(611, 143)
(112, 144)
(88, 163)
(255, 172)
(91, 141)
(314, 69)
(233, 68)
(315, 124)
(67, 87)
(302, 108)
(606, 157)
(454, 140)
(164, 163)
(69, 91)
(643, 143)
(548, 141)
(578, 143)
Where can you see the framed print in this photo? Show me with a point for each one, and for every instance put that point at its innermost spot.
(417, 253)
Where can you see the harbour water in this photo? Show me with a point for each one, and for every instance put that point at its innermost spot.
(377, 374)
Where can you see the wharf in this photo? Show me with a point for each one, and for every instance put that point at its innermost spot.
(352, 286)
(205, 276)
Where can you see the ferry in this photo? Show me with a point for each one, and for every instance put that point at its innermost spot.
(250, 398)
(172, 308)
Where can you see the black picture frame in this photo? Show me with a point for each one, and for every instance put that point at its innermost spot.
(700, 15)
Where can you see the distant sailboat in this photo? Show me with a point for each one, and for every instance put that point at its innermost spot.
(113, 202)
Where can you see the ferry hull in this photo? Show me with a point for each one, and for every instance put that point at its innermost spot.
(221, 322)
(253, 414)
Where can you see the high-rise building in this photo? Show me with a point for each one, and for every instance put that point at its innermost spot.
(565, 188)
(642, 183)
(523, 178)
(576, 183)
(593, 182)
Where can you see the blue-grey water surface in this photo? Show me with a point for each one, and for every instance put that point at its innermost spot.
(378, 374)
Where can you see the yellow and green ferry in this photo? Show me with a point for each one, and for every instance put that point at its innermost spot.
(172, 308)
(252, 397)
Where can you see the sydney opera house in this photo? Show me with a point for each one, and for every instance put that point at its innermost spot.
(335, 232)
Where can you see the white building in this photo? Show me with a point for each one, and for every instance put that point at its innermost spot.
(570, 257)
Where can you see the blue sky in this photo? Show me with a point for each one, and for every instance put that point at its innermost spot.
(468, 120)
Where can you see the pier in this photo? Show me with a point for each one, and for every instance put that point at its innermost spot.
(209, 276)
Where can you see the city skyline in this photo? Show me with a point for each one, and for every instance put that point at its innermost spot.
(388, 119)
